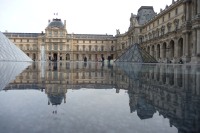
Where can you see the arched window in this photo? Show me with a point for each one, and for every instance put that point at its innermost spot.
(112, 48)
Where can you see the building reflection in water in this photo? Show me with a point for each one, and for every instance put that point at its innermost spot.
(172, 90)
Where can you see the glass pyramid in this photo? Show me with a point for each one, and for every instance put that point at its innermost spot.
(136, 54)
(9, 71)
(10, 52)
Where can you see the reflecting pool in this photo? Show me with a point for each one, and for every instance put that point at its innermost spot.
(95, 97)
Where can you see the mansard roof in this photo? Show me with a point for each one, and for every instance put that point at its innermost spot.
(13, 34)
(56, 23)
(145, 7)
(91, 36)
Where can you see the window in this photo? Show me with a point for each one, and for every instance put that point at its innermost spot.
(77, 48)
(123, 46)
(169, 15)
(96, 48)
(83, 47)
(50, 46)
(55, 47)
(34, 47)
(61, 46)
(27, 47)
(112, 48)
(102, 48)
(176, 11)
(77, 56)
(163, 19)
(89, 47)
(158, 22)
(56, 33)
(27, 40)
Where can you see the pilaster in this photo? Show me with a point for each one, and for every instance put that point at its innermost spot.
(196, 44)
(162, 52)
(198, 6)
(176, 52)
(186, 57)
(194, 39)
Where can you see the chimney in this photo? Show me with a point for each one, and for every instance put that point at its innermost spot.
(65, 24)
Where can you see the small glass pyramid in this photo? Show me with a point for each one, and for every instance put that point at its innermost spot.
(10, 52)
(136, 54)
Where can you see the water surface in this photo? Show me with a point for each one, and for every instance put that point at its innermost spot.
(77, 97)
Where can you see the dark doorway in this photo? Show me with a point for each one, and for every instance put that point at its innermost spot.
(112, 56)
(55, 56)
(34, 56)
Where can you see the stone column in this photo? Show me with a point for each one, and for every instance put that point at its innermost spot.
(194, 40)
(198, 6)
(187, 11)
(161, 52)
(198, 42)
(195, 8)
(155, 52)
(176, 50)
(168, 50)
(186, 46)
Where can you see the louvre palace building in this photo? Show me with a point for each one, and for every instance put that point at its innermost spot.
(172, 35)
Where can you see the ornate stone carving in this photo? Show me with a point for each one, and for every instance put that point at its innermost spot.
(176, 24)
(163, 30)
(183, 18)
(169, 25)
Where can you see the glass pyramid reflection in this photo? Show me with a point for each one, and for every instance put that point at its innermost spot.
(10, 52)
(136, 54)
(9, 71)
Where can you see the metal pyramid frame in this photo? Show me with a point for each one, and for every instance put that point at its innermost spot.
(136, 54)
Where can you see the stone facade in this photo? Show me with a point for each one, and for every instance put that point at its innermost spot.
(173, 35)
(57, 44)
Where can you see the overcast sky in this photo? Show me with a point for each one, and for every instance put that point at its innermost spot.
(82, 16)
